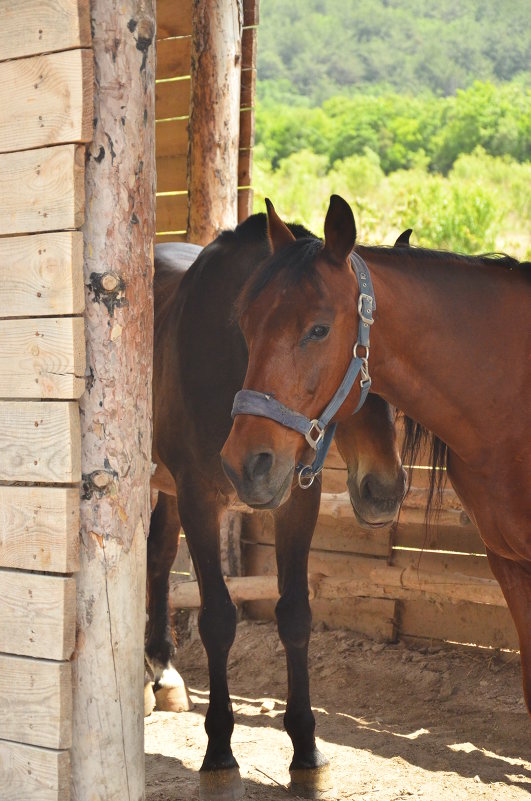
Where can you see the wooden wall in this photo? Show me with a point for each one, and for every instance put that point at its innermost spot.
(172, 101)
(402, 581)
(45, 117)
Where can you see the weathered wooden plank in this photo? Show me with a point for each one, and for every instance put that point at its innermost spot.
(173, 58)
(40, 442)
(247, 128)
(172, 99)
(46, 100)
(42, 190)
(251, 12)
(41, 26)
(39, 528)
(171, 173)
(37, 614)
(347, 575)
(42, 275)
(245, 204)
(248, 88)
(36, 702)
(172, 138)
(27, 771)
(42, 358)
(249, 42)
(245, 168)
(443, 563)
(375, 617)
(174, 19)
(172, 213)
(331, 534)
(479, 624)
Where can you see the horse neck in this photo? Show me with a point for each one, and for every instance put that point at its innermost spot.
(434, 342)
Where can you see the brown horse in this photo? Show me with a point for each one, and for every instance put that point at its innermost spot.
(450, 347)
(199, 363)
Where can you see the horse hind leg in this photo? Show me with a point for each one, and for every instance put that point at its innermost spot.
(170, 691)
(515, 581)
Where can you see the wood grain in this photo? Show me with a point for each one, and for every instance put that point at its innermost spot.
(42, 358)
(40, 442)
(172, 213)
(173, 22)
(42, 275)
(39, 528)
(173, 57)
(46, 100)
(41, 26)
(38, 615)
(27, 771)
(172, 138)
(42, 190)
(171, 173)
(36, 702)
(478, 624)
(172, 99)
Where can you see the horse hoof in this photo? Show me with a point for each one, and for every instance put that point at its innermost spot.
(173, 699)
(313, 783)
(220, 785)
(149, 699)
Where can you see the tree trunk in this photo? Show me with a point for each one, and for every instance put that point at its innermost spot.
(108, 667)
(214, 125)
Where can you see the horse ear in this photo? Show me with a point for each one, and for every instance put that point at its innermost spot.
(403, 239)
(279, 233)
(339, 229)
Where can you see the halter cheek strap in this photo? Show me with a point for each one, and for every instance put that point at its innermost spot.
(319, 432)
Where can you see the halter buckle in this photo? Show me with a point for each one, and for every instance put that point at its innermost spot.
(361, 300)
(314, 441)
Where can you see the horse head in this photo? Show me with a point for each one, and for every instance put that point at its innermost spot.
(298, 314)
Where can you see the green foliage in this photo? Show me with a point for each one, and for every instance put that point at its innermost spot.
(322, 48)
(403, 131)
(482, 205)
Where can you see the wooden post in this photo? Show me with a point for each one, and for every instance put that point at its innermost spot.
(108, 667)
(214, 118)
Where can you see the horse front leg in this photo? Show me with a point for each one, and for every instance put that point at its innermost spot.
(171, 694)
(199, 510)
(294, 525)
(515, 581)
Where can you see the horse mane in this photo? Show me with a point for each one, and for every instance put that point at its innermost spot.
(501, 260)
(416, 437)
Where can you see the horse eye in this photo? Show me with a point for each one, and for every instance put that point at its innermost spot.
(319, 332)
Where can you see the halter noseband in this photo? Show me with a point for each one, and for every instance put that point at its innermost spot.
(319, 432)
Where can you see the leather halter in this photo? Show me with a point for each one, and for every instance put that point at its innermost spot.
(319, 432)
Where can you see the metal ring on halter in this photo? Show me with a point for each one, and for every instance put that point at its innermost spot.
(306, 479)
(355, 352)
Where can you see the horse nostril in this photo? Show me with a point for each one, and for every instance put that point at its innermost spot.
(258, 465)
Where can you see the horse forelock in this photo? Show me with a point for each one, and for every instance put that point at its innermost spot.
(291, 265)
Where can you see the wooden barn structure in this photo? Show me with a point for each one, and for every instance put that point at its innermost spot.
(77, 228)
(79, 109)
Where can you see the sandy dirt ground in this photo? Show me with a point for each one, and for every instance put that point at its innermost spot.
(397, 722)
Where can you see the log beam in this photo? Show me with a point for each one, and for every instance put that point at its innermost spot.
(108, 664)
(214, 118)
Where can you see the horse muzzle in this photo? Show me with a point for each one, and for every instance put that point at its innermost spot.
(263, 479)
(375, 502)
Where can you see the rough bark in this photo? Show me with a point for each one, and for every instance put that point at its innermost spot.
(214, 124)
(107, 752)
